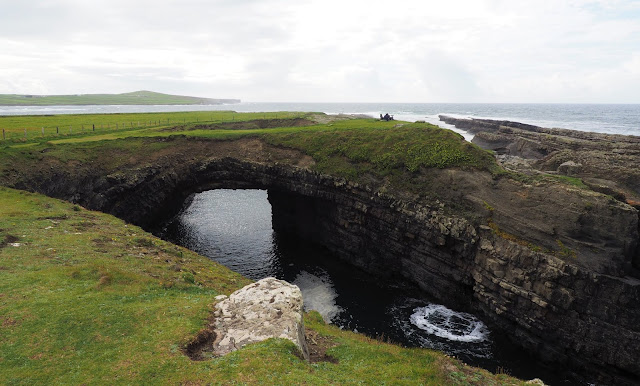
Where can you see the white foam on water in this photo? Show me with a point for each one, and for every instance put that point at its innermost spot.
(441, 321)
(318, 294)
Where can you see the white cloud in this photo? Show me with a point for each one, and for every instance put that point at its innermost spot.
(307, 50)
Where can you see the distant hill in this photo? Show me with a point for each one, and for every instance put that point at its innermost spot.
(131, 98)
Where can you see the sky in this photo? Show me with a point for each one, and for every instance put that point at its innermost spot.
(474, 51)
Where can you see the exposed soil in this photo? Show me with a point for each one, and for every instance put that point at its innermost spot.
(8, 239)
(318, 346)
(201, 347)
(251, 149)
(247, 125)
(9, 322)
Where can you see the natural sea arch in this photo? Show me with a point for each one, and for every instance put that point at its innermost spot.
(543, 303)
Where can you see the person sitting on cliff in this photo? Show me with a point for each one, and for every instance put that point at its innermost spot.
(387, 117)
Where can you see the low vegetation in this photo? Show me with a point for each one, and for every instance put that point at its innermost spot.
(352, 148)
(86, 299)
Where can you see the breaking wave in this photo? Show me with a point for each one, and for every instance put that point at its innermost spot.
(445, 323)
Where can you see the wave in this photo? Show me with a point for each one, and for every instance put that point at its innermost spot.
(318, 294)
(443, 322)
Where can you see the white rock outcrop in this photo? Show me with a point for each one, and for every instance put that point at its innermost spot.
(268, 308)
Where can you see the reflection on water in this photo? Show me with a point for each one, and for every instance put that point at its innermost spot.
(233, 227)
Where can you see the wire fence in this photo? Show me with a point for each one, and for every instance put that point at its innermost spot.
(104, 127)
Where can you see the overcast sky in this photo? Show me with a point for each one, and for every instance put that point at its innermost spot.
(326, 50)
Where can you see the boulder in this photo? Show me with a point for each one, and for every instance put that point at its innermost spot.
(269, 308)
(570, 168)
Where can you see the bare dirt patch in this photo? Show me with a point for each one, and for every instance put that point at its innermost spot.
(8, 239)
(55, 218)
(318, 346)
(9, 322)
(324, 118)
(248, 125)
(201, 347)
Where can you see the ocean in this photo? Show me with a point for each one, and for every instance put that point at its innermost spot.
(601, 118)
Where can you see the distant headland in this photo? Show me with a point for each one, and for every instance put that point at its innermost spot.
(131, 98)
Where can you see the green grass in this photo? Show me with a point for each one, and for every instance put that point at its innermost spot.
(88, 299)
(573, 181)
(382, 147)
(87, 125)
(393, 154)
(132, 98)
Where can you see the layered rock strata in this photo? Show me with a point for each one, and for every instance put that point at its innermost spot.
(605, 163)
(609, 163)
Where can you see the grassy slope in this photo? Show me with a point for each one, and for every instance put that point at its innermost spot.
(85, 298)
(132, 98)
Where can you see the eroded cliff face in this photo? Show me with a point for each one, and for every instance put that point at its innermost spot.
(605, 163)
(578, 311)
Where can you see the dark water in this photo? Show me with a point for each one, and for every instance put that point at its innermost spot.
(233, 227)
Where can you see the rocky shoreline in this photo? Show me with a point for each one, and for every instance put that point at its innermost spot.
(607, 163)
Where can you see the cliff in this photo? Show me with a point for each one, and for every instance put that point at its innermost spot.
(547, 262)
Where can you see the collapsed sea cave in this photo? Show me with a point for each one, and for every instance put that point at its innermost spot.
(564, 314)
(237, 228)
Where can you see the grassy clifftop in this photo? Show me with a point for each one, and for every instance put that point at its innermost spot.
(132, 98)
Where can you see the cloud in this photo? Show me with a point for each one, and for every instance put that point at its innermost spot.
(358, 51)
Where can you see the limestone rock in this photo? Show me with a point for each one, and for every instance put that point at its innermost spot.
(269, 308)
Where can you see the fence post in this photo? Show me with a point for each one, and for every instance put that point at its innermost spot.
(69, 129)
(57, 130)
(94, 127)
(3, 135)
(43, 131)
(25, 133)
